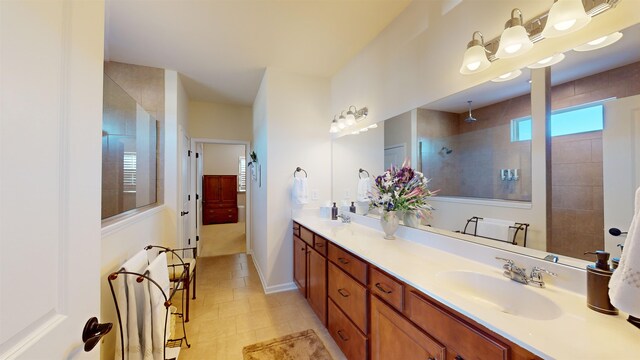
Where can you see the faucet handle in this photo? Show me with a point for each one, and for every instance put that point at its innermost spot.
(537, 271)
(508, 261)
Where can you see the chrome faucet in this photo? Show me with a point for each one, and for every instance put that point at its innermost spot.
(514, 272)
(519, 274)
(535, 279)
(345, 218)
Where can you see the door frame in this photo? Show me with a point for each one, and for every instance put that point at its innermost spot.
(247, 209)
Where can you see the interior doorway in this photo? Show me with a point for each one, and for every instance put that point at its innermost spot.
(223, 201)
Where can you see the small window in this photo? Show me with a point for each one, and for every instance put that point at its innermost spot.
(129, 168)
(242, 174)
(563, 122)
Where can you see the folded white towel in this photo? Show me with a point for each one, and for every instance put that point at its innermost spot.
(364, 188)
(130, 297)
(300, 191)
(155, 311)
(624, 286)
(494, 228)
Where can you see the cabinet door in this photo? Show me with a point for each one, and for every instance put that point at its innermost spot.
(317, 287)
(300, 264)
(394, 337)
(229, 190)
(210, 189)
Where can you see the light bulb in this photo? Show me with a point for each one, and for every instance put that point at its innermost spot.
(564, 25)
(513, 48)
(545, 60)
(548, 61)
(334, 127)
(473, 66)
(597, 41)
(373, 126)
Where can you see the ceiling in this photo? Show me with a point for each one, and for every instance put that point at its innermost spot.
(576, 65)
(221, 48)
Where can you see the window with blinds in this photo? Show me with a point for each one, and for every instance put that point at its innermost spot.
(242, 174)
(129, 170)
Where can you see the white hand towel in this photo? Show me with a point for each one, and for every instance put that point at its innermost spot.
(130, 299)
(155, 300)
(624, 286)
(364, 188)
(300, 191)
(498, 230)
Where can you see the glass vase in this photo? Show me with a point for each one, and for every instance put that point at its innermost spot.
(410, 219)
(390, 223)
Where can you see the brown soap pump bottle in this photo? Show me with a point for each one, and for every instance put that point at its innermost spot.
(598, 276)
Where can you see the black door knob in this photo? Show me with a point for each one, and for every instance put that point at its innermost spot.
(183, 213)
(94, 331)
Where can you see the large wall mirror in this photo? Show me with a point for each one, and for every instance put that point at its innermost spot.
(481, 155)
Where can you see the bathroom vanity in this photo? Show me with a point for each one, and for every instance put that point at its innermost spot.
(434, 299)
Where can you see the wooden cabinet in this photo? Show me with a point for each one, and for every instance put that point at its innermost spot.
(393, 336)
(373, 315)
(317, 285)
(219, 199)
(462, 340)
(310, 270)
(300, 264)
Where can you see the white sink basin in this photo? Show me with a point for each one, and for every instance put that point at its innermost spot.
(501, 294)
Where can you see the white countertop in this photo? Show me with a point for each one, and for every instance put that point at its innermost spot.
(578, 333)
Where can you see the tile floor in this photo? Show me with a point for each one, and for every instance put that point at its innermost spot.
(232, 311)
(223, 239)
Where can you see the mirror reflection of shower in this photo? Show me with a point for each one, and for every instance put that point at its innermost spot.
(470, 118)
(445, 151)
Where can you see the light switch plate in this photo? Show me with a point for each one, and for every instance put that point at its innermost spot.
(314, 194)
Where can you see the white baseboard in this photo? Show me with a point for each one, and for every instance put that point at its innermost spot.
(274, 288)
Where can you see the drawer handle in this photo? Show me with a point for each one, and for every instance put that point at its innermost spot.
(343, 261)
(342, 337)
(320, 245)
(431, 358)
(343, 292)
(458, 357)
(382, 289)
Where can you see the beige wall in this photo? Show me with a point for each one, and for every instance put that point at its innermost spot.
(222, 159)
(220, 121)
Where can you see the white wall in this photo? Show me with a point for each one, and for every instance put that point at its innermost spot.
(291, 111)
(158, 225)
(220, 121)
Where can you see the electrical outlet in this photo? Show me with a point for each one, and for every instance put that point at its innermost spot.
(315, 194)
(347, 194)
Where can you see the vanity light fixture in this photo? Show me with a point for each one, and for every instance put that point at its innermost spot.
(565, 16)
(334, 126)
(514, 39)
(364, 129)
(372, 126)
(508, 76)
(342, 122)
(475, 57)
(600, 42)
(548, 61)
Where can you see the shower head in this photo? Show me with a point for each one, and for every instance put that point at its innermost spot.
(470, 118)
(446, 150)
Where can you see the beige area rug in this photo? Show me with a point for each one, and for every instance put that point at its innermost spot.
(305, 345)
(223, 239)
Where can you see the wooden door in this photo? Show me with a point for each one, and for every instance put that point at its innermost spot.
(300, 264)
(394, 337)
(51, 86)
(317, 286)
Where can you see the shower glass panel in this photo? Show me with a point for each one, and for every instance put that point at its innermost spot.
(129, 139)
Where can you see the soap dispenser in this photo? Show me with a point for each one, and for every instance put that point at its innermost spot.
(598, 276)
(334, 212)
(352, 208)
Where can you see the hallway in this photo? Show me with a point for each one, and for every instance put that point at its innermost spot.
(231, 311)
(223, 239)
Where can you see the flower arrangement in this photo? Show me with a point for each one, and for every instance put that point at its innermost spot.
(402, 189)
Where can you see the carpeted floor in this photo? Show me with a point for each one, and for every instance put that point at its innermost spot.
(304, 345)
(223, 239)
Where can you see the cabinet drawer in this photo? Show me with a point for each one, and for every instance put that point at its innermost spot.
(460, 339)
(349, 263)
(220, 215)
(306, 235)
(391, 333)
(320, 244)
(352, 343)
(296, 229)
(386, 288)
(350, 296)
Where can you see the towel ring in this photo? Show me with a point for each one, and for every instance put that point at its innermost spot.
(363, 171)
(298, 169)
